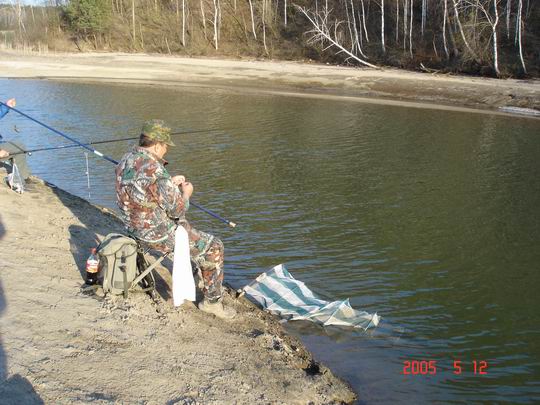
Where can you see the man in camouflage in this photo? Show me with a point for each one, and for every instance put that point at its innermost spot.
(153, 204)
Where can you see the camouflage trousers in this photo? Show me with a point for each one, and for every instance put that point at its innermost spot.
(206, 253)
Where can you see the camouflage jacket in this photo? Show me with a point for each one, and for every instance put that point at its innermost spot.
(149, 201)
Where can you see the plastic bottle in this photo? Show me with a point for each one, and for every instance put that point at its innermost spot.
(92, 268)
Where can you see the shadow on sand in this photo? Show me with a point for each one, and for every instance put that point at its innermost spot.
(85, 237)
(15, 389)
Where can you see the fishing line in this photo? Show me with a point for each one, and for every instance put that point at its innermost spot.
(75, 145)
(98, 153)
(87, 174)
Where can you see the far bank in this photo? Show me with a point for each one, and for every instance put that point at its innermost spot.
(293, 78)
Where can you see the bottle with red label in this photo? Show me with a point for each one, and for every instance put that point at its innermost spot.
(92, 268)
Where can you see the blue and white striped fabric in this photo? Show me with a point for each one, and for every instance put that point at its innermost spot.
(280, 293)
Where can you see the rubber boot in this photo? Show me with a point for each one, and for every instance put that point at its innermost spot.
(216, 308)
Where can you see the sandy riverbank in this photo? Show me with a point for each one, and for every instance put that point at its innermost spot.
(291, 78)
(61, 346)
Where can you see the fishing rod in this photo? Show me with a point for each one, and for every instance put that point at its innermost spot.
(75, 145)
(98, 153)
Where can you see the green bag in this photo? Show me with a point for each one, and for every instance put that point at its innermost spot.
(121, 263)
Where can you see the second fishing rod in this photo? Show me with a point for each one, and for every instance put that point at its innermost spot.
(98, 153)
(76, 145)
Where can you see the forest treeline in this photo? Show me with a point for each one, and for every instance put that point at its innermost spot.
(483, 37)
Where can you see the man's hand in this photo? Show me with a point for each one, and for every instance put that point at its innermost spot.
(187, 189)
(178, 180)
(11, 102)
(3, 153)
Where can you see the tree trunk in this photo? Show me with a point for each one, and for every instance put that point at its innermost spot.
(264, 25)
(216, 14)
(495, 50)
(382, 27)
(252, 19)
(133, 23)
(508, 12)
(203, 18)
(520, 7)
(364, 20)
(324, 34)
(444, 30)
(356, 34)
(405, 22)
(458, 21)
(410, 29)
(184, 23)
(424, 12)
(397, 21)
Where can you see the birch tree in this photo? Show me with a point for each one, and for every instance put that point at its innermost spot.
(363, 20)
(203, 18)
(410, 29)
(458, 21)
(216, 22)
(252, 19)
(322, 33)
(382, 27)
(519, 25)
(264, 12)
(483, 6)
(445, 17)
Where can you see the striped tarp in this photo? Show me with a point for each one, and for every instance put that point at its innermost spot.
(280, 293)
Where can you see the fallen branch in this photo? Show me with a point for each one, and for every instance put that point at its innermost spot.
(321, 33)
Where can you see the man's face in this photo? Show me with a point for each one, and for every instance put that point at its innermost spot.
(161, 149)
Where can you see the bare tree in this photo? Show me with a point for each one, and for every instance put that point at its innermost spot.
(519, 27)
(397, 21)
(483, 7)
(203, 18)
(458, 21)
(321, 33)
(264, 11)
(252, 19)
(363, 20)
(134, 39)
(382, 26)
(445, 17)
(216, 21)
(183, 22)
(357, 35)
(508, 12)
(410, 29)
(424, 16)
(405, 22)
(19, 13)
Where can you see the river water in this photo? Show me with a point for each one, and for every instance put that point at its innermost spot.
(429, 218)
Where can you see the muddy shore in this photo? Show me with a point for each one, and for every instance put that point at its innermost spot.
(424, 90)
(59, 345)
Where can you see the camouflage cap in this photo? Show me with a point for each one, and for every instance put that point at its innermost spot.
(158, 131)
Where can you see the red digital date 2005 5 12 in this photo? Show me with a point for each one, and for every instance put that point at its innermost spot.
(426, 367)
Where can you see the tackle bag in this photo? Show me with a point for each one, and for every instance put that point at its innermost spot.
(121, 264)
